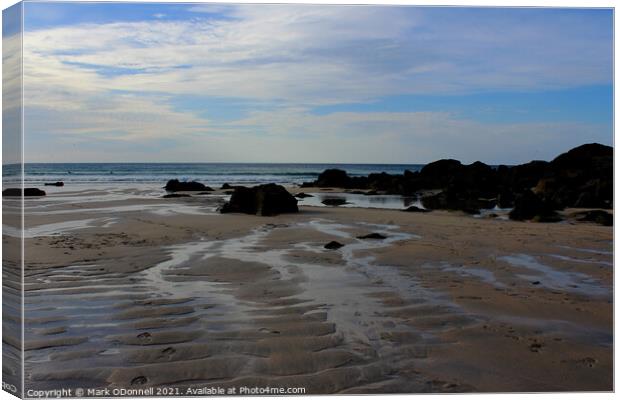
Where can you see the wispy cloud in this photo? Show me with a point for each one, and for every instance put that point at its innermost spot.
(116, 81)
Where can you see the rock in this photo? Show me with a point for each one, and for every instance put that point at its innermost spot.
(528, 206)
(203, 193)
(28, 192)
(391, 184)
(333, 245)
(334, 201)
(34, 192)
(586, 156)
(522, 177)
(598, 216)
(373, 235)
(175, 195)
(333, 178)
(505, 199)
(439, 173)
(581, 177)
(303, 195)
(174, 185)
(55, 184)
(458, 200)
(229, 192)
(416, 209)
(226, 186)
(371, 193)
(265, 200)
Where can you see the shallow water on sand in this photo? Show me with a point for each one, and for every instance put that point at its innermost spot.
(552, 278)
(100, 327)
(390, 202)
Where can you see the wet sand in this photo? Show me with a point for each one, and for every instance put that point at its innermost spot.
(129, 290)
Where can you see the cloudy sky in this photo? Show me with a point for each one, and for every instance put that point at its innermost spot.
(112, 82)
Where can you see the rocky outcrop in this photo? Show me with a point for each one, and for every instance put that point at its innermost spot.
(597, 216)
(28, 192)
(59, 184)
(458, 199)
(336, 201)
(528, 206)
(265, 200)
(373, 235)
(174, 185)
(581, 178)
(175, 195)
(333, 178)
(333, 245)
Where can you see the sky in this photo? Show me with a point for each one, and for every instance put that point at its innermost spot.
(121, 82)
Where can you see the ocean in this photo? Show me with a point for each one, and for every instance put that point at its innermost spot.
(213, 174)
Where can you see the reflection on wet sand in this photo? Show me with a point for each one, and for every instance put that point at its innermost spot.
(155, 292)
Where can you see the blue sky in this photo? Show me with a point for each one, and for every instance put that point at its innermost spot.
(281, 83)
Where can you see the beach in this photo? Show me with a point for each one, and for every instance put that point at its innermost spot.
(126, 289)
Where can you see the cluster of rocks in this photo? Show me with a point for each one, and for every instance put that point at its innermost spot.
(174, 185)
(580, 178)
(28, 192)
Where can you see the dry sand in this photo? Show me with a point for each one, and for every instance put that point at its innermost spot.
(138, 292)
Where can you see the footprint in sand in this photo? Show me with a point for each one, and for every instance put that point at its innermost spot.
(139, 380)
(536, 347)
(144, 337)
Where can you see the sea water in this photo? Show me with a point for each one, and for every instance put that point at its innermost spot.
(212, 174)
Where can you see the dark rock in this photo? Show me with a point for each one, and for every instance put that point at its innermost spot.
(28, 192)
(55, 184)
(581, 177)
(522, 177)
(506, 199)
(174, 185)
(175, 195)
(391, 184)
(528, 206)
(371, 193)
(334, 201)
(203, 193)
(373, 235)
(226, 186)
(587, 156)
(416, 209)
(333, 245)
(356, 192)
(265, 200)
(333, 178)
(598, 216)
(229, 192)
(303, 195)
(33, 192)
(439, 173)
(453, 198)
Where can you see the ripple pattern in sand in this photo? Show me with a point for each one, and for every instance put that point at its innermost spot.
(238, 312)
